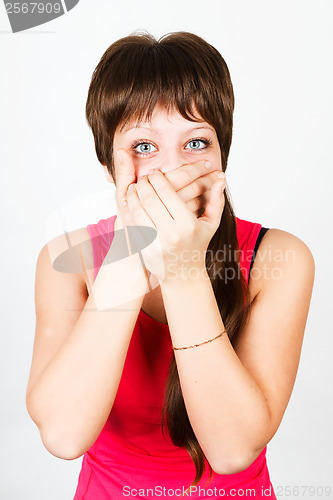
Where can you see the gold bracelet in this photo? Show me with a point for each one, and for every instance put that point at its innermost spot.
(196, 345)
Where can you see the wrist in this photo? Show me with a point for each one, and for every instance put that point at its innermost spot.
(185, 274)
(120, 283)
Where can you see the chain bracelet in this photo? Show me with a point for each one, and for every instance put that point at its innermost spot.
(197, 345)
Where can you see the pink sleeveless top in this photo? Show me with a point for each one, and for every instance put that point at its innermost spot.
(131, 457)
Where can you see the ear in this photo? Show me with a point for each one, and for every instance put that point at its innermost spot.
(108, 176)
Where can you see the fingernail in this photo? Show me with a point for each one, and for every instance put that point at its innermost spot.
(208, 164)
(124, 202)
(221, 175)
(131, 186)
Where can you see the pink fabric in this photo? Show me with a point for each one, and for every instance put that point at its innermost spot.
(131, 452)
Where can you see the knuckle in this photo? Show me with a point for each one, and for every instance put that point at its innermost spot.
(155, 173)
(195, 188)
(198, 201)
(142, 180)
(194, 204)
(191, 227)
(185, 177)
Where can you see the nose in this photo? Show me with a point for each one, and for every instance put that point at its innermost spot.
(171, 161)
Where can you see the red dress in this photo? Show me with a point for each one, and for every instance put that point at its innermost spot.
(131, 458)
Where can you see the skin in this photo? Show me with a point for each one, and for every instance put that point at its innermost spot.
(171, 152)
(152, 202)
(171, 149)
(235, 395)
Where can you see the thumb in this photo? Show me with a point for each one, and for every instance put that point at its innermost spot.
(215, 205)
(125, 172)
(125, 175)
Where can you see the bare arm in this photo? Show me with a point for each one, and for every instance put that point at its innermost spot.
(79, 352)
(236, 397)
(80, 349)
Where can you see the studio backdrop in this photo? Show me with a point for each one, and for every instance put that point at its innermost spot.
(279, 174)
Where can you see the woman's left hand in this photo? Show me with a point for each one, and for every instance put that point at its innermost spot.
(182, 239)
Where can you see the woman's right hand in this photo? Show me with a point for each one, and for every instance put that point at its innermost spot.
(125, 176)
(191, 181)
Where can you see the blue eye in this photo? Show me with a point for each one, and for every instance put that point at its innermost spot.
(197, 141)
(145, 145)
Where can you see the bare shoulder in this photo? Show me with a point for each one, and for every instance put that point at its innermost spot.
(61, 292)
(279, 253)
(71, 253)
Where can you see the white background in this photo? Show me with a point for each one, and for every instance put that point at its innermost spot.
(279, 174)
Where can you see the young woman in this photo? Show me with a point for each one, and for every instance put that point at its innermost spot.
(168, 365)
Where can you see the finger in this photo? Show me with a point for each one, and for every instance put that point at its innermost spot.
(126, 174)
(215, 205)
(198, 186)
(197, 205)
(152, 202)
(135, 207)
(185, 174)
(170, 205)
(143, 222)
(144, 232)
(123, 222)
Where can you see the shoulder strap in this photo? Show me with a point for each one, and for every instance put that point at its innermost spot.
(261, 234)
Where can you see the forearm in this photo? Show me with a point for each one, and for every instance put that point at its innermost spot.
(226, 408)
(72, 398)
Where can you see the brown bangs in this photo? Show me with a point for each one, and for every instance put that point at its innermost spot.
(138, 72)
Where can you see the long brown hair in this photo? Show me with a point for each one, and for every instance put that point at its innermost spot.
(180, 70)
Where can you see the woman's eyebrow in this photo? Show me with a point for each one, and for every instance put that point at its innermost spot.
(157, 131)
